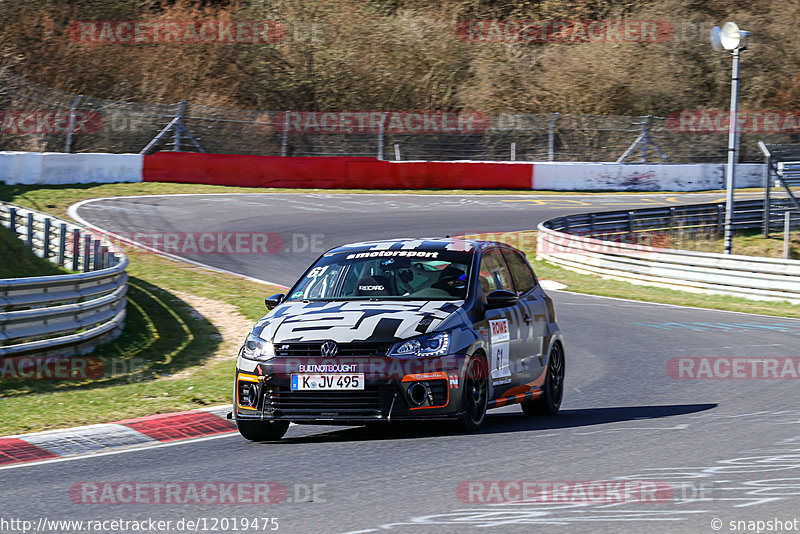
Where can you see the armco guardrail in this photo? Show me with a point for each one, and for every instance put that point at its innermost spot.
(68, 313)
(623, 245)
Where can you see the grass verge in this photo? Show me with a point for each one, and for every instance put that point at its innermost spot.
(745, 242)
(18, 261)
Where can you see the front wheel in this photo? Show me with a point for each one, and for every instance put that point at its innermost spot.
(549, 402)
(475, 395)
(262, 430)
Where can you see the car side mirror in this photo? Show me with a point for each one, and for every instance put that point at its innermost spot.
(500, 298)
(274, 300)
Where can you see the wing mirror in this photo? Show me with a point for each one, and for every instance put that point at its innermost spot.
(274, 300)
(500, 298)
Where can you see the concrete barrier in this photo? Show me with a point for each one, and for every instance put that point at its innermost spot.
(365, 173)
(568, 176)
(53, 168)
(334, 172)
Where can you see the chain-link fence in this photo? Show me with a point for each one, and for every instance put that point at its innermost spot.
(43, 119)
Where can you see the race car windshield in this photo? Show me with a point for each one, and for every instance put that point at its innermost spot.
(427, 275)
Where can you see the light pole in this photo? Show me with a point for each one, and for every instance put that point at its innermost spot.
(730, 37)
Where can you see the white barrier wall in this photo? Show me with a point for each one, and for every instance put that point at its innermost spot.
(567, 176)
(56, 168)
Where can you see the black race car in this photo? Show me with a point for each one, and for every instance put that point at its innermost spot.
(407, 329)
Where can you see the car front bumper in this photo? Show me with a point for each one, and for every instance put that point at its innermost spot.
(392, 391)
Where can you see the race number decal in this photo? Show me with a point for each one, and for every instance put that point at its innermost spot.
(317, 271)
(498, 339)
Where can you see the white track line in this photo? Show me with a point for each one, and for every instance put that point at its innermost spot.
(647, 302)
(73, 212)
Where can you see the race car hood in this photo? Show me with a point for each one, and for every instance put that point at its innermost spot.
(352, 320)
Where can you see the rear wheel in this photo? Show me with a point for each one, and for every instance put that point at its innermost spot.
(475, 395)
(262, 430)
(549, 402)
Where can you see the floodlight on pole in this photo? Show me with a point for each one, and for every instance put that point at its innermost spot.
(730, 37)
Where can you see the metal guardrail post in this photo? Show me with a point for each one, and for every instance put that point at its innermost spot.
(62, 244)
(513, 151)
(285, 139)
(87, 247)
(46, 238)
(787, 232)
(71, 124)
(12, 220)
(592, 222)
(76, 248)
(179, 129)
(671, 225)
(29, 240)
(720, 219)
(177, 132)
(631, 233)
(644, 139)
(100, 262)
(95, 254)
(380, 136)
(767, 185)
(551, 138)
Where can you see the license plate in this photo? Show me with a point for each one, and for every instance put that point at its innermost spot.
(327, 382)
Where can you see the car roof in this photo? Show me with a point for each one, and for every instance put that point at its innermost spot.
(455, 244)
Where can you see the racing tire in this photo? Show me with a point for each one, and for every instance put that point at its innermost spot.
(262, 430)
(549, 402)
(475, 396)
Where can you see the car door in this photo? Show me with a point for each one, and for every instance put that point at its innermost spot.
(528, 358)
(503, 323)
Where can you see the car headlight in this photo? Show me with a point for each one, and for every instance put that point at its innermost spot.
(255, 348)
(421, 346)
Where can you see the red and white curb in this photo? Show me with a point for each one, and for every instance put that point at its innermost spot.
(116, 435)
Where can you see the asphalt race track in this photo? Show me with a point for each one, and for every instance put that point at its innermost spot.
(730, 448)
